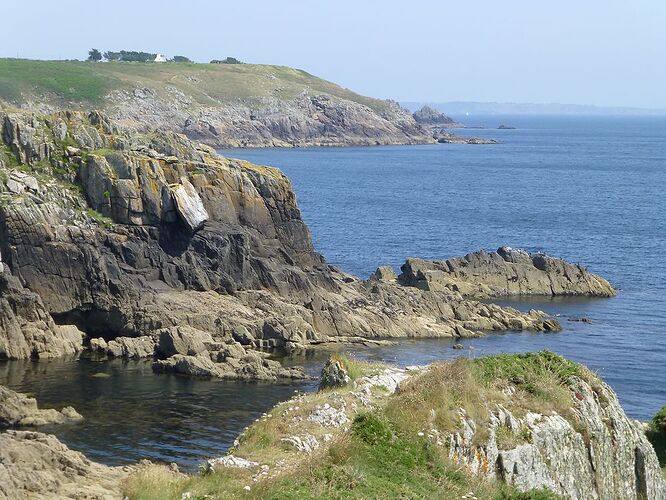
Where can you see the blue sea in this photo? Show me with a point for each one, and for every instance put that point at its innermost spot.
(591, 190)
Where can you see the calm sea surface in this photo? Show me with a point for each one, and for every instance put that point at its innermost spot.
(591, 190)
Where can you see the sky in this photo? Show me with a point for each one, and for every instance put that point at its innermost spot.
(599, 52)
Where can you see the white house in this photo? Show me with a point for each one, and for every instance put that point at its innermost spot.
(160, 58)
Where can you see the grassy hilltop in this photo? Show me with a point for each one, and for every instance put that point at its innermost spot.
(222, 105)
(67, 83)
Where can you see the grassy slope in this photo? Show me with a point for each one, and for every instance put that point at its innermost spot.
(76, 82)
(383, 456)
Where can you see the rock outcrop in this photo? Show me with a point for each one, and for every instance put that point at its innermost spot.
(38, 466)
(27, 330)
(503, 273)
(127, 235)
(19, 410)
(429, 116)
(594, 452)
(534, 421)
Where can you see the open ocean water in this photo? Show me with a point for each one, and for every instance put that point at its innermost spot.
(591, 190)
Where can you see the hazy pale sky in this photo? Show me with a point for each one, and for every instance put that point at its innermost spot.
(603, 52)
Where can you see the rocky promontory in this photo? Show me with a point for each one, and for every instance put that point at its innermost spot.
(115, 239)
(512, 426)
(505, 272)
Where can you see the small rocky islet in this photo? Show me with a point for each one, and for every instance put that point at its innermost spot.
(151, 245)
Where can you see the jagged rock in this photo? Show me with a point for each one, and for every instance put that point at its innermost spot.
(305, 443)
(594, 452)
(333, 375)
(505, 272)
(230, 461)
(17, 410)
(329, 416)
(36, 465)
(429, 116)
(384, 273)
(118, 260)
(98, 345)
(131, 347)
(251, 366)
(26, 328)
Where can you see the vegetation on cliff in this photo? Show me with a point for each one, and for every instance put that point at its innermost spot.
(657, 436)
(429, 439)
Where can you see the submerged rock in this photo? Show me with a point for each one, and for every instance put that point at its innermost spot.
(19, 410)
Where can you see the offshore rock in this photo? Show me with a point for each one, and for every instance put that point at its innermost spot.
(505, 272)
(17, 410)
(429, 116)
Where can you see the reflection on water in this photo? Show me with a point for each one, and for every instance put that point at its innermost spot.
(132, 413)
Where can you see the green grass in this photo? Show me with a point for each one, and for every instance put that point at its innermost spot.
(376, 460)
(382, 455)
(657, 436)
(208, 84)
(67, 80)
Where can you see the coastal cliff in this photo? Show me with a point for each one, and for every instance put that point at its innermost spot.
(222, 105)
(146, 241)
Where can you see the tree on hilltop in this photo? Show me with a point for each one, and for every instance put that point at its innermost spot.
(228, 60)
(94, 55)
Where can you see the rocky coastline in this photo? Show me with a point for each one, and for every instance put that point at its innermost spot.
(570, 438)
(127, 243)
(151, 245)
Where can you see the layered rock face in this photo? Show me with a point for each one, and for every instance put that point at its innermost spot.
(503, 273)
(125, 235)
(27, 330)
(309, 119)
(599, 453)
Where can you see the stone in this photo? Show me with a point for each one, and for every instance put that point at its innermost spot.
(385, 273)
(503, 273)
(131, 347)
(36, 465)
(183, 340)
(333, 375)
(189, 205)
(594, 451)
(228, 461)
(19, 410)
(306, 443)
(328, 416)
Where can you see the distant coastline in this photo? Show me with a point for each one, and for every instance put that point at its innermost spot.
(463, 108)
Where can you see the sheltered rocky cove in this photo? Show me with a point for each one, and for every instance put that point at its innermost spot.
(124, 242)
(149, 245)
